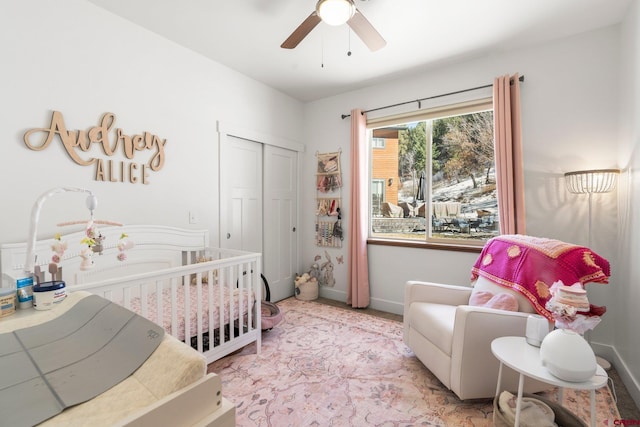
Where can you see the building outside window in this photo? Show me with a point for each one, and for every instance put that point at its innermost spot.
(433, 179)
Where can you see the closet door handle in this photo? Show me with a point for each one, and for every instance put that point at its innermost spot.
(228, 236)
(294, 229)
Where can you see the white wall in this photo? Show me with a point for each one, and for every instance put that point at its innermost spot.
(76, 58)
(627, 293)
(570, 119)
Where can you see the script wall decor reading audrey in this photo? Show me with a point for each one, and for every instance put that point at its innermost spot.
(77, 142)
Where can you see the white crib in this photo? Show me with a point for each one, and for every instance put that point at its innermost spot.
(210, 298)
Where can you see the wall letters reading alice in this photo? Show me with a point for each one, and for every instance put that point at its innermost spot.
(78, 142)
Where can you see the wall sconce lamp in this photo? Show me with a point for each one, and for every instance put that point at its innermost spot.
(590, 182)
(390, 182)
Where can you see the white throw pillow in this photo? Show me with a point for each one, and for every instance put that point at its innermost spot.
(484, 284)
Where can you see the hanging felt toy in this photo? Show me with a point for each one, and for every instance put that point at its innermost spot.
(87, 259)
(123, 244)
(98, 247)
(58, 249)
(87, 252)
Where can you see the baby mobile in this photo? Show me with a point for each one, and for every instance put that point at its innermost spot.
(93, 242)
(92, 238)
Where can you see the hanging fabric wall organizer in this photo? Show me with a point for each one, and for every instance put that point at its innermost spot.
(329, 200)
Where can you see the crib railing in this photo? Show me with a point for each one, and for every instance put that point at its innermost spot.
(212, 302)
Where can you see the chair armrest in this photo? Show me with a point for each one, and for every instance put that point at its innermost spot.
(475, 328)
(436, 293)
(487, 323)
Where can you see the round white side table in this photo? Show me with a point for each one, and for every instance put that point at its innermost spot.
(525, 359)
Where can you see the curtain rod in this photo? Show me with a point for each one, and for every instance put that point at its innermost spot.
(344, 116)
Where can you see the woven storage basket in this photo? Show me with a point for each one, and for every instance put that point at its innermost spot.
(308, 291)
(564, 417)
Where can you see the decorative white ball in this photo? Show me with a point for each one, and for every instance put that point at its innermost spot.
(568, 356)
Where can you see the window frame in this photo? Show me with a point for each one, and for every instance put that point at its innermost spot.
(381, 184)
(442, 111)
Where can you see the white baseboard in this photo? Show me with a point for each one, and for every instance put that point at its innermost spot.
(332, 294)
(610, 354)
(375, 303)
(387, 306)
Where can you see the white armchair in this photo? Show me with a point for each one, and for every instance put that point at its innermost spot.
(453, 339)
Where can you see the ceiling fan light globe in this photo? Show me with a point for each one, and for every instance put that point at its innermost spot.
(335, 12)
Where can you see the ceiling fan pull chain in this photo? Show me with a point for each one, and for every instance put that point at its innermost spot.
(349, 39)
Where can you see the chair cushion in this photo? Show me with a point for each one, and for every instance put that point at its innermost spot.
(434, 322)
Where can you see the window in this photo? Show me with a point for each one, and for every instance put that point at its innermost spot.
(377, 142)
(434, 179)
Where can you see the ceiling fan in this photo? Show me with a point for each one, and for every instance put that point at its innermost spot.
(337, 12)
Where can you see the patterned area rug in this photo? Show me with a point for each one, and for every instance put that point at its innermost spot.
(326, 366)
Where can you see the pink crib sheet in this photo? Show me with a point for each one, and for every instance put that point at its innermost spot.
(230, 298)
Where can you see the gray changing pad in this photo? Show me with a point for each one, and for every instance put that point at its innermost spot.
(82, 353)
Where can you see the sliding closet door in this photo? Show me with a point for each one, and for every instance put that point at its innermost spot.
(259, 202)
(240, 194)
(280, 257)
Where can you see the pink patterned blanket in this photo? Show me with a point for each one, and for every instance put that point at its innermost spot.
(530, 265)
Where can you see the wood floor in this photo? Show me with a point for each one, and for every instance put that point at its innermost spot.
(626, 405)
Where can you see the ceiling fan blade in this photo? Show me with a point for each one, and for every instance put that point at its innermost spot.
(369, 35)
(301, 32)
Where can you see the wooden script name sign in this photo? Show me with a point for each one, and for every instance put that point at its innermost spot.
(78, 142)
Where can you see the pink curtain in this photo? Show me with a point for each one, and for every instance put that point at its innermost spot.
(508, 153)
(358, 267)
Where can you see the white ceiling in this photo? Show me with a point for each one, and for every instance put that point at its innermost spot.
(245, 35)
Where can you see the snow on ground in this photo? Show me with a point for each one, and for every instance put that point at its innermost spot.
(463, 192)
